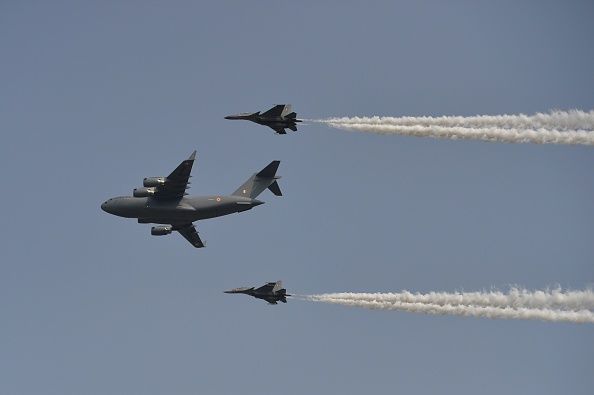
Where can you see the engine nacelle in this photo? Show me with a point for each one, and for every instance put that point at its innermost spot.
(143, 192)
(161, 230)
(154, 181)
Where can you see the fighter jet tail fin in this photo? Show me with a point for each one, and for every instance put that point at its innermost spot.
(292, 115)
(256, 184)
(270, 170)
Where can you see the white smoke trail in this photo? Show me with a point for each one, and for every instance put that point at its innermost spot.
(485, 134)
(556, 305)
(559, 127)
(516, 297)
(582, 316)
(555, 120)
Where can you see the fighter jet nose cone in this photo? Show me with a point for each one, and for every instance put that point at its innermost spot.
(237, 116)
(104, 206)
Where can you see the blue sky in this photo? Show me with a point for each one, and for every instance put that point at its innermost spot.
(97, 95)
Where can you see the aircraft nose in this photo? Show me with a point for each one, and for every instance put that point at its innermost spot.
(107, 207)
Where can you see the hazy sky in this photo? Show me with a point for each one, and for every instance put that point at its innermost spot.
(97, 95)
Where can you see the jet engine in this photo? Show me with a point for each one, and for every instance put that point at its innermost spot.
(143, 192)
(154, 181)
(161, 230)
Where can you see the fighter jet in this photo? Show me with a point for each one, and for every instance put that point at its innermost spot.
(278, 118)
(163, 200)
(271, 292)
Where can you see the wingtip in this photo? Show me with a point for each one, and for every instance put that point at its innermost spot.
(193, 156)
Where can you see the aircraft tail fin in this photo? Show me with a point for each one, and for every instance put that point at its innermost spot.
(256, 184)
(292, 115)
(270, 170)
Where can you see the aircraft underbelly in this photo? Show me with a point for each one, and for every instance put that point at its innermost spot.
(172, 215)
(219, 211)
(169, 215)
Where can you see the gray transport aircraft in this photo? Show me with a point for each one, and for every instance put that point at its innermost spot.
(163, 200)
(278, 118)
(271, 292)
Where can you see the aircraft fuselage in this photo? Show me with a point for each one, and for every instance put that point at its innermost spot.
(283, 122)
(186, 209)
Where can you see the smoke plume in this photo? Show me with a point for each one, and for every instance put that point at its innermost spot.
(554, 306)
(557, 127)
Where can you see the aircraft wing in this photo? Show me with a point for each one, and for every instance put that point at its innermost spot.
(271, 300)
(188, 231)
(266, 288)
(278, 129)
(177, 181)
(275, 111)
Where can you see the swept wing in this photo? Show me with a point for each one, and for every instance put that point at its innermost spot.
(176, 183)
(266, 288)
(278, 129)
(188, 231)
(275, 111)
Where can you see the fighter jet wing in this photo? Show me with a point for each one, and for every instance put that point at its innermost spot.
(275, 111)
(266, 288)
(177, 182)
(278, 129)
(188, 231)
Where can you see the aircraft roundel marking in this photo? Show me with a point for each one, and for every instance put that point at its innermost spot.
(244, 191)
(218, 199)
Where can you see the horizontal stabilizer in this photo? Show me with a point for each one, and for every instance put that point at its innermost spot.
(274, 188)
